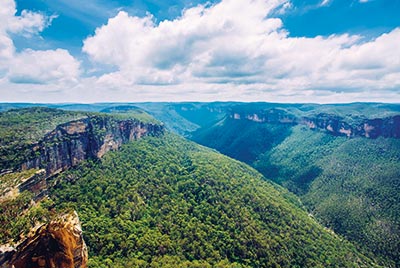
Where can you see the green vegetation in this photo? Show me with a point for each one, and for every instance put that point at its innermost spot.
(167, 202)
(242, 139)
(169, 115)
(18, 215)
(125, 112)
(9, 181)
(20, 129)
(18, 212)
(348, 184)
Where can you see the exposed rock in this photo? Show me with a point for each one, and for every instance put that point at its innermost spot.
(334, 125)
(388, 127)
(58, 244)
(267, 116)
(72, 142)
(75, 141)
(35, 184)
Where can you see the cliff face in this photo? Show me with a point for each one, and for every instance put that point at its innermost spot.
(388, 127)
(268, 116)
(56, 244)
(72, 142)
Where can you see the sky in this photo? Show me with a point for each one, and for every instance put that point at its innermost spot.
(323, 51)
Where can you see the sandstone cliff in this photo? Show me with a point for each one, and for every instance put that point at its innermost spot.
(388, 127)
(58, 244)
(72, 142)
(75, 141)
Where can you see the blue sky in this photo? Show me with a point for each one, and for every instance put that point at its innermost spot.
(181, 50)
(79, 19)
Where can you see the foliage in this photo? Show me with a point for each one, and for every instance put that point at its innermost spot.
(124, 112)
(242, 139)
(20, 214)
(167, 202)
(349, 184)
(21, 128)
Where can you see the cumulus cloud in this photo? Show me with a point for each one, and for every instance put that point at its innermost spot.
(240, 44)
(202, 39)
(30, 66)
(232, 50)
(43, 67)
(27, 23)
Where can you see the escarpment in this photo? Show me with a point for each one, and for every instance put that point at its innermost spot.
(56, 244)
(75, 141)
(388, 127)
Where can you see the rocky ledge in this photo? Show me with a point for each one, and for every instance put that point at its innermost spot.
(56, 244)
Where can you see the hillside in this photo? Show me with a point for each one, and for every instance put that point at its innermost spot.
(350, 184)
(166, 200)
(341, 160)
(158, 200)
(34, 156)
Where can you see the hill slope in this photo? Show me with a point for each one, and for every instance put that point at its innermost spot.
(349, 183)
(166, 200)
(158, 201)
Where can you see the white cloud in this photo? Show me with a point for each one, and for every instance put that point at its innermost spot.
(44, 67)
(166, 52)
(30, 66)
(239, 44)
(285, 7)
(233, 50)
(27, 23)
(6, 49)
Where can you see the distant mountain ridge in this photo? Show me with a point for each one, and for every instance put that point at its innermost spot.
(388, 127)
(353, 119)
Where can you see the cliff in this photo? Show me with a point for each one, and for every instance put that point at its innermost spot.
(56, 244)
(388, 127)
(71, 143)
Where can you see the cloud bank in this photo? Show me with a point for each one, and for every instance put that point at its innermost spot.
(31, 66)
(233, 50)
